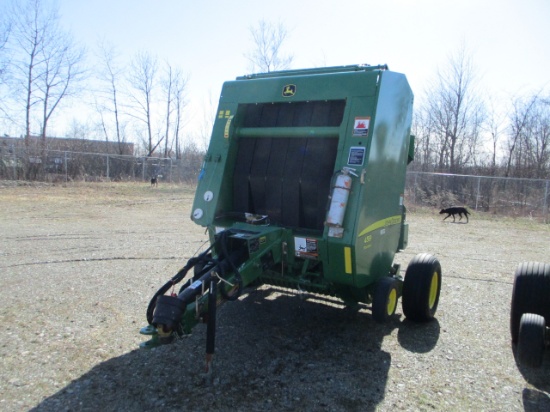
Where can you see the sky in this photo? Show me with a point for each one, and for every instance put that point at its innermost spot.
(509, 41)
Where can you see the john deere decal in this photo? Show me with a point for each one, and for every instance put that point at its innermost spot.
(289, 90)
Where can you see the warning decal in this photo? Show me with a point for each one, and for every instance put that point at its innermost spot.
(305, 247)
(361, 126)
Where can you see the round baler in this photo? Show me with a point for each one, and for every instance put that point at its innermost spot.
(302, 187)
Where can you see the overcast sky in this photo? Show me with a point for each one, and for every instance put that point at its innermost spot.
(508, 40)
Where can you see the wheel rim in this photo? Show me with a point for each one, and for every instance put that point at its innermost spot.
(434, 286)
(392, 302)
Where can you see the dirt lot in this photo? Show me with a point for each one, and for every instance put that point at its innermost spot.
(79, 263)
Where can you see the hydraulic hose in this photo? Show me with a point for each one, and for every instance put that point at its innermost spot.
(178, 277)
(209, 264)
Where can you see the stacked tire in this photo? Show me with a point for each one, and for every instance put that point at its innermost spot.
(530, 312)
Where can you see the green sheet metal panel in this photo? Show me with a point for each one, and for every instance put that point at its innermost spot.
(375, 211)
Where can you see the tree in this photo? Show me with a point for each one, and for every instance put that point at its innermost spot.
(173, 86)
(519, 120)
(176, 96)
(268, 40)
(47, 63)
(528, 145)
(5, 29)
(208, 118)
(168, 84)
(495, 126)
(61, 72)
(538, 140)
(142, 78)
(110, 76)
(454, 113)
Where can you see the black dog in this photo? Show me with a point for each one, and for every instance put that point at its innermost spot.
(154, 181)
(452, 211)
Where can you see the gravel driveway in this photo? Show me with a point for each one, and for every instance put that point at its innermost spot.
(79, 263)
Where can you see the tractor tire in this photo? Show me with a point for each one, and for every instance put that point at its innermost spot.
(531, 340)
(421, 288)
(531, 294)
(384, 301)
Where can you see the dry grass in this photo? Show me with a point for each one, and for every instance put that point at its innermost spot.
(80, 262)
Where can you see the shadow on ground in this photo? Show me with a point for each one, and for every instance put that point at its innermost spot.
(535, 398)
(274, 351)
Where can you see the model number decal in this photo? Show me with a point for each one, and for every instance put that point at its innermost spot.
(389, 221)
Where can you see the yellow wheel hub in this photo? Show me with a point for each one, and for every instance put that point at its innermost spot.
(434, 286)
(392, 302)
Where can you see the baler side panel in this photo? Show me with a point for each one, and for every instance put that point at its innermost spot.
(381, 216)
(219, 160)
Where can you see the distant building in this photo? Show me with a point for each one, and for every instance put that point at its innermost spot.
(9, 145)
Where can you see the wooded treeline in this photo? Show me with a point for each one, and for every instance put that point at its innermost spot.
(43, 69)
(459, 127)
(461, 130)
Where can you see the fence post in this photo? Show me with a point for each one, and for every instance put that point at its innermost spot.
(170, 170)
(143, 169)
(545, 206)
(14, 163)
(66, 167)
(107, 158)
(477, 194)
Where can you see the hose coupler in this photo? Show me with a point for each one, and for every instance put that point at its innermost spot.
(167, 314)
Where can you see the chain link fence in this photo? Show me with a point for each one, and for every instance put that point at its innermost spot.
(65, 166)
(497, 195)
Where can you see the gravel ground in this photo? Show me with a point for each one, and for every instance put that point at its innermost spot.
(79, 263)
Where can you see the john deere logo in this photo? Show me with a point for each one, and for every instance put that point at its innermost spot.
(289, 90)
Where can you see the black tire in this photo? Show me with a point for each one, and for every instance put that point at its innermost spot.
(531, 293)
(531, 340)
(384, 301)
(421, 288)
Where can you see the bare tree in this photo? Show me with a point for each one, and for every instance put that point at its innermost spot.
(142, 78)
(167, 84)
(208, 117)
(47, 63)
(424, 150)
(528, 145)
(539, 139)
(173, 85)
(179, 103)
(32, 26)
(267, 55)
(79, 130)
(61, 72)
(5, 29)
(110, 76)
(519, 121)
(495, 126)
(455, 112)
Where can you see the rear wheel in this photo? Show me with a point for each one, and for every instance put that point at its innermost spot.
(531, 293)
(531, 340)
(384, 301)
(421, 288)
